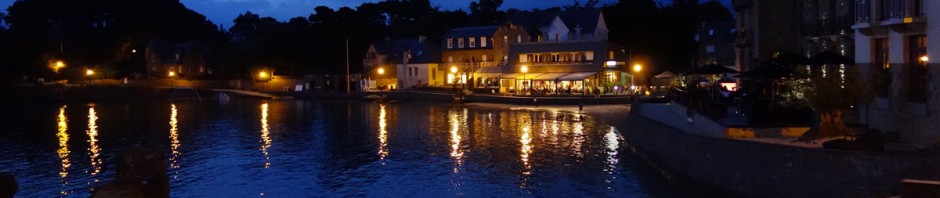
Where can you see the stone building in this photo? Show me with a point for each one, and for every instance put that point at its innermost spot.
(896, 49)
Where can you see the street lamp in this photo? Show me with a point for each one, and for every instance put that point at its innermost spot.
(89, 72)
(263, 76)
(924, 58)
(172, 74)
(636, 70)
(380, 71)
(453, 72)
(524, 69)
(58, 65)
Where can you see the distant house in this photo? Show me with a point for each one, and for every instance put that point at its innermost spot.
(182, 59)
(402, 64)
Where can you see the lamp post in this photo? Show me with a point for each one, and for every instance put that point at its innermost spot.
(524, 69)
(263, 76)
(88, 75)
(637, 68)
(453, 72)
(172, 76)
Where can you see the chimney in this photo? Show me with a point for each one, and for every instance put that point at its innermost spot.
(422, 38)
(577, 31)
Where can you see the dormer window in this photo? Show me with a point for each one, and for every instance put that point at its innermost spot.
(483, 41)
(450, 43)
(473, 42)
(460, 43)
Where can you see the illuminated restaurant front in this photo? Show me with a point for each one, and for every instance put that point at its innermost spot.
(575, 83)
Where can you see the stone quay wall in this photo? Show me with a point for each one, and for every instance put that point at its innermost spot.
(769, 170)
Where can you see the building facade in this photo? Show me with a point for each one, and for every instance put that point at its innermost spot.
(166, 59)
(896, 49)
(568, 53)
(765, 27)
(715, 43)
(402, 64)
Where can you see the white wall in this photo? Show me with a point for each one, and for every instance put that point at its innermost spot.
(424, 75)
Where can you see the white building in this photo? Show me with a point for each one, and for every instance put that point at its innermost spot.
(898, 47)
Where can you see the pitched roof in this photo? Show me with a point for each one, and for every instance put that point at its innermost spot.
(472, 31)
(586, 19)
(166, 50)
(422, 51)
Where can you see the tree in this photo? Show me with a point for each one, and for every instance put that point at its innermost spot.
(486, 12)
(829, 96)
(577, 5)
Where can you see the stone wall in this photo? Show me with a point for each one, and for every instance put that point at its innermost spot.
(767, 170)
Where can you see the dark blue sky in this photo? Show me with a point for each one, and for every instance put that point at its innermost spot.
(224, 11)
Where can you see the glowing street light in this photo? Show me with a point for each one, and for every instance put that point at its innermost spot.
(381, 71)
(637, 68)
(263, 74)
(453, 69)
(924, 58)
(58, 65)
(89, 72)
(524, 69)
(171, 74)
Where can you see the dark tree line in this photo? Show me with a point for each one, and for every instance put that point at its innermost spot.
(103, 33)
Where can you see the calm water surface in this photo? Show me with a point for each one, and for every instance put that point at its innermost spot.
(250, 148)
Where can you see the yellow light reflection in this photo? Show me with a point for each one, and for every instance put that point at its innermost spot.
(455, 138)
(578, 141)
(93, 148)
(383, 133)
(526, 140)
(174, 137)
(265, 135)
(63, 126)
(613, 143)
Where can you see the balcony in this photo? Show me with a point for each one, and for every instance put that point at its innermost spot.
(874, 16)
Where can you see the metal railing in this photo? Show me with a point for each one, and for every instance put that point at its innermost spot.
(902, 9)
(863, 11)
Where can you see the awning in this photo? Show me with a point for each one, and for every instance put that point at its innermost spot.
(487, 75)
(509, 76)
(520, 76)
(550, 76)
(577, 76)
(528, 76)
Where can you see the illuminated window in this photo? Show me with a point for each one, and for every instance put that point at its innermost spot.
(473, 42)
(483, 41)
(450, 43)
(460, 43)
(917, 69)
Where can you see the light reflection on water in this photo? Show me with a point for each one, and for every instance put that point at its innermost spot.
(337, 149)
(383, 133)
(63, 127)
(265, 135)
(174, 139)
(93, 148)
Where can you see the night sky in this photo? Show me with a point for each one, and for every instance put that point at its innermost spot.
(224, 11)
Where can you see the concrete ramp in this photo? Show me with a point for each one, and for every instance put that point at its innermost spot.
(249, 93)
